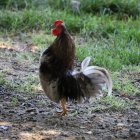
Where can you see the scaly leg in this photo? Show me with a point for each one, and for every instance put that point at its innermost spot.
(63, 104)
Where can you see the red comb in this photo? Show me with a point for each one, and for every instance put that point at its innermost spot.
(57, 22)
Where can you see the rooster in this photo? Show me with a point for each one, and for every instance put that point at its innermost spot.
(60, 81)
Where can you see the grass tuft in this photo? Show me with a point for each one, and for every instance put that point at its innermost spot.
(115, 103)
(114, 53)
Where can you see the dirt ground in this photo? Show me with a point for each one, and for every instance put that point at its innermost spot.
(27, 116)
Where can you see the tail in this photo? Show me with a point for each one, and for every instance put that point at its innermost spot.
(92, 79)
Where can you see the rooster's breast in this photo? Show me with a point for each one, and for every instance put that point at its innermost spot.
(50, 88)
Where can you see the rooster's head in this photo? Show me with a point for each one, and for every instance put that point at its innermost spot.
(58, 27)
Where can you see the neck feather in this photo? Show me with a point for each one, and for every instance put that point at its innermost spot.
(64, 49)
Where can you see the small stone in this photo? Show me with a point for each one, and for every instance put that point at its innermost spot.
(82, 127)
(109, 137)
(31, 110)
(12, 111)
(101, 126)
(21, 112)
(11, 50)
(124, 135)
(27, 104)
(133, 133)
(33, 119)
(136, 126)
(28, 129)
(128, 120)
(4, 127)
(134, 130)
(88, 132)
(135, 121)
(41, 111)
(120, 124)
(115, 121)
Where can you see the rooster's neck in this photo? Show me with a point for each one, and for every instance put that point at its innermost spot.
(64, 49)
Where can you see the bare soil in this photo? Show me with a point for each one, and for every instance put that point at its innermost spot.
(28, 116)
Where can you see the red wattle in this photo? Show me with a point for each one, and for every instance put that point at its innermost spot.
(56, 32)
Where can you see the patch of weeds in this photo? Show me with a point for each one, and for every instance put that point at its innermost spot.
(2, 79)
(34, 19)
(60, 4)
(110, 103)
(114, 53)
(21, 20)
(5, 42)
(122, 8)
(42, 40)
(129, 8)
(14, 101)
(98, 108)
(5, 81)
(14, 4)
(42, 102)
(29, 84)
(114, 103)
(25, 56)
(124, 84)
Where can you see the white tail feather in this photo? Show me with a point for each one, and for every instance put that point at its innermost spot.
(103, 72)
(88, 70)
(85, 63)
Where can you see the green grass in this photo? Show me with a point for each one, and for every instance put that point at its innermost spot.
(14, 100)
(115, 103)
(29, 84)
(119, 40)
(123, 8)
(25, 57)
(2, 79)
(116, 52)
(34, 19)
(111, 103)
(42, 39)
(123, 80)
(129, 7)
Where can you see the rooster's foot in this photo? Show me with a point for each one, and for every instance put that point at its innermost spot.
(63, 104)
(63, 113)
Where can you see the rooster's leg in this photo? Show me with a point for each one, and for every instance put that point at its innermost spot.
(63, 104)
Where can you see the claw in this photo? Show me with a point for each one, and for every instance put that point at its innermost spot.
(62, 113)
